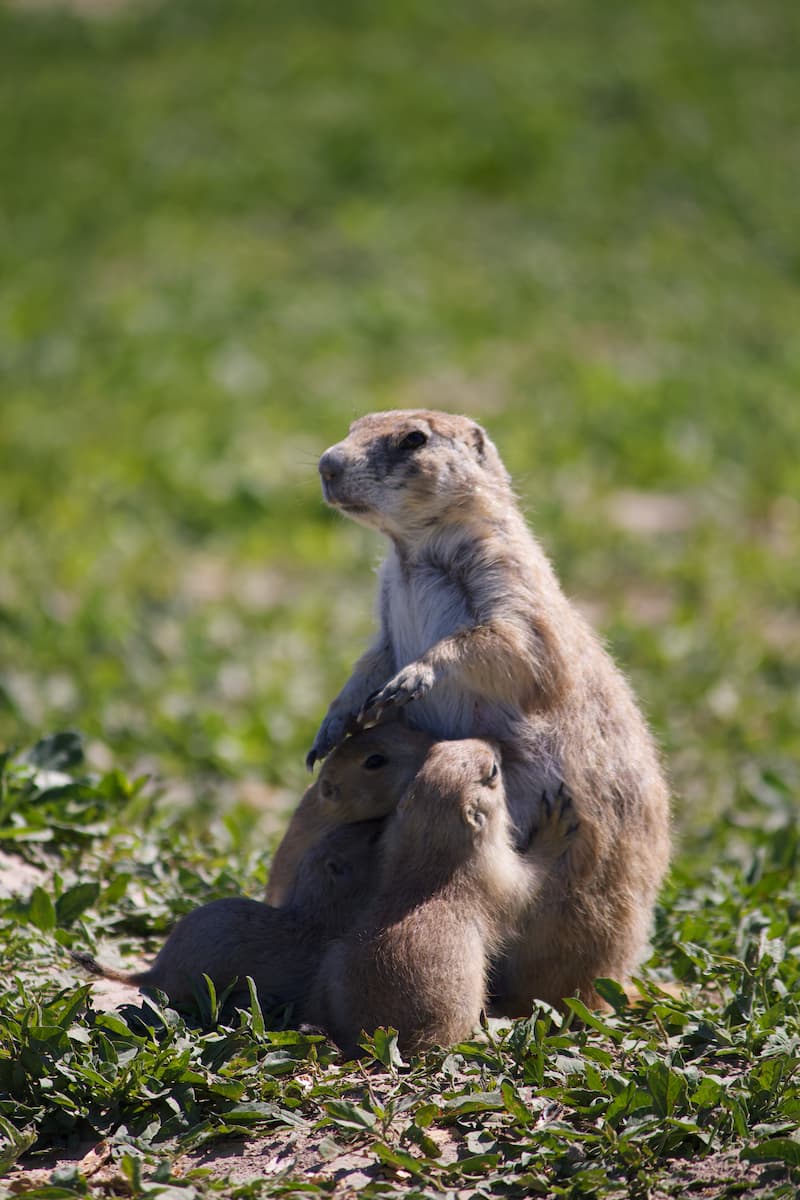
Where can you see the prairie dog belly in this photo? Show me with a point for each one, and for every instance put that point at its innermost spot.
(449, 712)
(423, 606)
(452, 711)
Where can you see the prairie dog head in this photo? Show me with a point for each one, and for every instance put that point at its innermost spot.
(455, 806)
(367, 774)
(335, 874)
(400, 471)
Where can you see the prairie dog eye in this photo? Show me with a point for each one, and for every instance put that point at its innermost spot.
(374, 762)
(413, 440)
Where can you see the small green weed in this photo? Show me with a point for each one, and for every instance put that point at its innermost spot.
(592, 1104)
(228, 228)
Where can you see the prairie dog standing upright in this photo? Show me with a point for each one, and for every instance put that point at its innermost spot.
(477, 639)
(280, 948)
(362, 780)
(450, 885)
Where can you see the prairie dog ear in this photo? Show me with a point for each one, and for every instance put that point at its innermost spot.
(478, 439)
(496, 751)
(405, 800)
(474, 817)
(486, 453)
(326, 790)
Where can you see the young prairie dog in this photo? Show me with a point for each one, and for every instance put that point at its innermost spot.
(280, 948)
(450, 885)
(361, 780)
(476, 639)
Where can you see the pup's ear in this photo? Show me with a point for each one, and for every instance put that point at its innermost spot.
(326, 791)
(474, 817)
(338, 868)
(406, 799)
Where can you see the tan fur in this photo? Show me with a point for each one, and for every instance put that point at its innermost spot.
(280, 948)
(362, 780)
(450, 885)
(478, 640)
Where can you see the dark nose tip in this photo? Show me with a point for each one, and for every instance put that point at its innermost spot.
(331, 465)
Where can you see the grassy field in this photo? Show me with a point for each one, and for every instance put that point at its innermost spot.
(226, 229)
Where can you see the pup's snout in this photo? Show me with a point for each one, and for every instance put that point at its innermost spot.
(331, 465)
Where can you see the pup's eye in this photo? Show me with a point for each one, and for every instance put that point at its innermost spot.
(374, 762)
(413, 440)
(493, 774)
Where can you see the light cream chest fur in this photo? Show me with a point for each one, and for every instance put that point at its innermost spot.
(421, 606)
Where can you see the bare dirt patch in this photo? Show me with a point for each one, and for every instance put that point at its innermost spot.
(18, 877)
(709, 1178)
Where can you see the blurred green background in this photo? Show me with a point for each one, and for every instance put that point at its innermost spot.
(228, 227)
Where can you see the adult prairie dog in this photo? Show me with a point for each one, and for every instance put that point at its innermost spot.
(280, 948)
(477, 639)
(361, 780)
(450, 886)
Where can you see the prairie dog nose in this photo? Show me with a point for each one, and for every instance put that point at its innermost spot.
(331, 465)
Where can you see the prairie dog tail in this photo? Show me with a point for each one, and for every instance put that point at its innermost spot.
(90, 964)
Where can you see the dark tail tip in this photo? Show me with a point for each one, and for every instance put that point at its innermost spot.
(87, 962)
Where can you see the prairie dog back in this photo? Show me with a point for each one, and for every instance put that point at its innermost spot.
(280, 948)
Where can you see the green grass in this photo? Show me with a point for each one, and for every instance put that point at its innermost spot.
(668, 1094)
(225, 230)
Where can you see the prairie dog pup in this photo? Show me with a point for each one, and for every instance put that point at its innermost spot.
(450, 885)
(476, 639)
(361, 780)
(279, 948)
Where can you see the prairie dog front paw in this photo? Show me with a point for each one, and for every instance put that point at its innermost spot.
(413, 682)
(558, 825)
(332, 732)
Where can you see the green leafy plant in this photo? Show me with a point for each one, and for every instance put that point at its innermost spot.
(227, 229)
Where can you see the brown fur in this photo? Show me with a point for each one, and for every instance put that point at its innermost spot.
(280, 948)
(362, 780)
(477, 639)
(450, 885)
